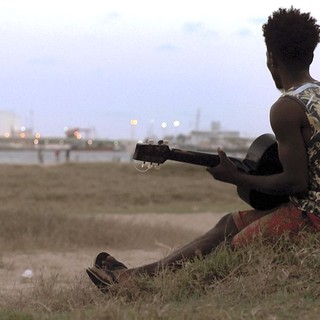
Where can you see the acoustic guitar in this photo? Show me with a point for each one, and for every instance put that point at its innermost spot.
(261, 159)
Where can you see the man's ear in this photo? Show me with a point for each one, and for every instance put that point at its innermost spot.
(272, 61)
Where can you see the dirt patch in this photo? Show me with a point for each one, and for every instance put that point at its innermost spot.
(65, 266)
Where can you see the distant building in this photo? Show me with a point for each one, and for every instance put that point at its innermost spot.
(228, 140)
(10, 123)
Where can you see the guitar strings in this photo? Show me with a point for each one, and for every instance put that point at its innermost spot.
(142, 167)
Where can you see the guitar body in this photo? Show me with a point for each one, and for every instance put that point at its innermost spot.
(261, 159)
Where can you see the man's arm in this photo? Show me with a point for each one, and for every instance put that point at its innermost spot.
(287, 119)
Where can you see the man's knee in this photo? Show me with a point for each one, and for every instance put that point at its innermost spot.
(224, 229)
(227, 226)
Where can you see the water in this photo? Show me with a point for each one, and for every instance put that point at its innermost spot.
(51, 157)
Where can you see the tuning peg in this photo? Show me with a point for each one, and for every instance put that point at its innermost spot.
(165, 142)
(153, 166)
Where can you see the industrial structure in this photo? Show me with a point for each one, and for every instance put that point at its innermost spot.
(15, 136)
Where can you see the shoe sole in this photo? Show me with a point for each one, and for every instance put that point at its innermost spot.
(99, 283)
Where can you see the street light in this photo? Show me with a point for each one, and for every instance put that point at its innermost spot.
(176, 123)
(133, 123)
(163, 126)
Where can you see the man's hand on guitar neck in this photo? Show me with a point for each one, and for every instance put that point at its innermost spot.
(226, 170)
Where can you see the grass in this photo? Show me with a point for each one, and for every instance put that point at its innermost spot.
(261, 281)
(51, 207)
(61, 208)
(113, 188)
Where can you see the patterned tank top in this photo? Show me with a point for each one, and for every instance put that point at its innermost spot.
(308, 95)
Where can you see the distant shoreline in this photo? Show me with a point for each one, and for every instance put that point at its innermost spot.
(29, 156)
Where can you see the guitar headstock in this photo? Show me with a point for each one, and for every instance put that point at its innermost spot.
(154, 154)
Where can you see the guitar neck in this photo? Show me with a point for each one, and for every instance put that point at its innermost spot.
(193, 157)
(203, 159)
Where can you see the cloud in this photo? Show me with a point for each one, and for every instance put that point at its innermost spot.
(113, 15)
(110, 17)
(167, 47)
(244, 32)
(193, 27)
(257, 21)
(198, 28)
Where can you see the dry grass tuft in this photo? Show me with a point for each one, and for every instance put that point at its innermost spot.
(113, 188)
(26, 230)
(62, 207)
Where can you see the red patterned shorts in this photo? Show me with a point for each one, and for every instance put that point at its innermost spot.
(271, 224)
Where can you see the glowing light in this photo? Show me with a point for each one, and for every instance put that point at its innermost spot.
(77, 134)
(37, 135)
(36, 141)
(133, 122)
(22, 135)
(163, 125)
(7, 135)
(90, 142)
(176, 123)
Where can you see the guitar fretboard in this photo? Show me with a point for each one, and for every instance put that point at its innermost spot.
(202, 159)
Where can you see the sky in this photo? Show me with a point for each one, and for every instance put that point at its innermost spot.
(99, 64)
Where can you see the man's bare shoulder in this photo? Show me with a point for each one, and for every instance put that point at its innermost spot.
(287, 113)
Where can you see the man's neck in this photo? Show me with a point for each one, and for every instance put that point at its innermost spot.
(294, 80)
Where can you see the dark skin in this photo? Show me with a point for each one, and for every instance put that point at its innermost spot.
(292, 131)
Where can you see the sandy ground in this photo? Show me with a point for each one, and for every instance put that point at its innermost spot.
(64, 267)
